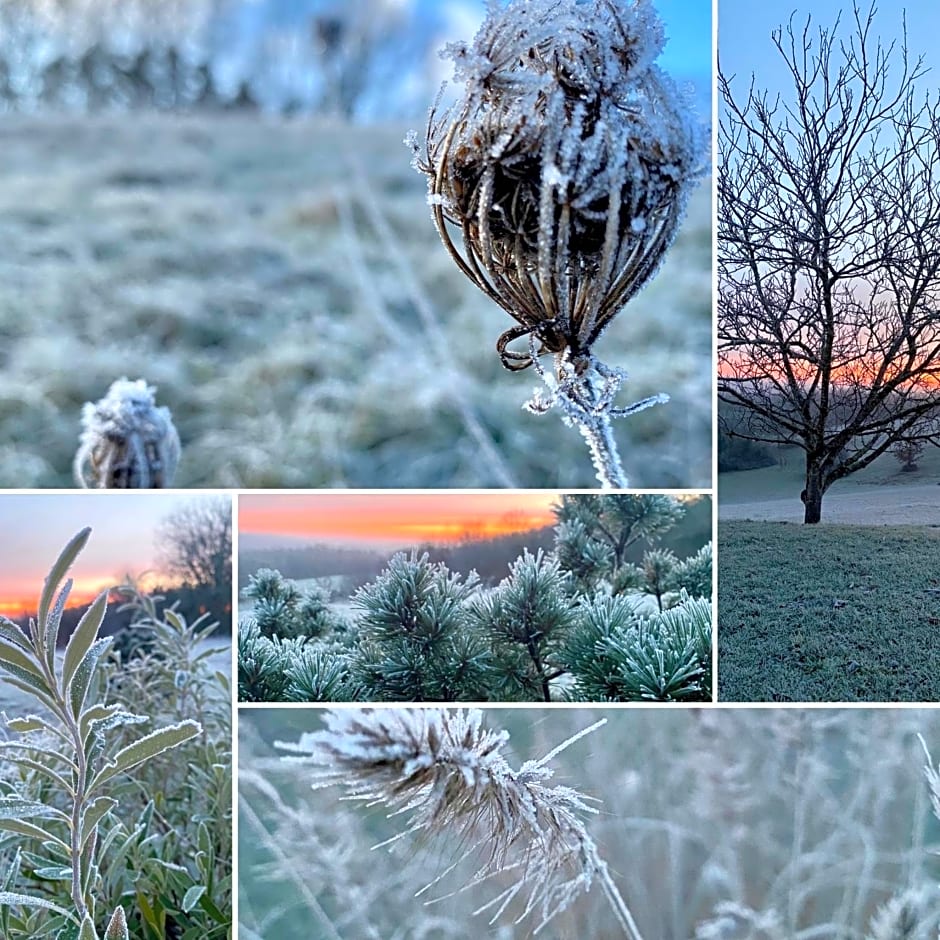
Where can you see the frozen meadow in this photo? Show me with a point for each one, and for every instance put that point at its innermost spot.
(716, 825)
(281, 283)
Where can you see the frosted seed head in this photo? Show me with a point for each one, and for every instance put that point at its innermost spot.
(127, 442)
(566, 135)
(446, 773)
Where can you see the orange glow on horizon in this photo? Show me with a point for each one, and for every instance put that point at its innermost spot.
(402, 518)
(856, 374)
(18, 601)
(23, 601)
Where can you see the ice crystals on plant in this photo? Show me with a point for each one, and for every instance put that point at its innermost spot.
(566, 166)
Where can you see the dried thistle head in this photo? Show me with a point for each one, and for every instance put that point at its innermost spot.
(566, 165)
(448, 773)
(127, 442)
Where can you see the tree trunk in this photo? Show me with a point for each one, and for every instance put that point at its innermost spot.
(813, 494)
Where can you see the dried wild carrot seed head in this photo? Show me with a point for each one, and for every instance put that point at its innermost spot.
(566, 165)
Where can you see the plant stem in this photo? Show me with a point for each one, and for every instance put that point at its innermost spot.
(617, 902)
(74, 738)
(585, 405)
(597, 432)
(78, 804)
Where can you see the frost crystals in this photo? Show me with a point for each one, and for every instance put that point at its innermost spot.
(566, 166)
(127, 442)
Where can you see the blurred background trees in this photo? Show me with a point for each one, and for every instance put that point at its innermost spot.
(195, 551)
(352, 59)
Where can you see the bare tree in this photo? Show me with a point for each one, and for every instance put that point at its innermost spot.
(829, 254)
(195, 544)
(908, 453)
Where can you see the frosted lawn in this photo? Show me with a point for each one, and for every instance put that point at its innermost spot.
(244, 267)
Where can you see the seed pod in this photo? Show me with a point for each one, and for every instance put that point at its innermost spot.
(127, 442)
(566, 165)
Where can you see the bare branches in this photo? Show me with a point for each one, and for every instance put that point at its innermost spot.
(829, 257)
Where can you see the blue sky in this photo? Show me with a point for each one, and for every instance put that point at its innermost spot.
(744, 28)
(689, 37)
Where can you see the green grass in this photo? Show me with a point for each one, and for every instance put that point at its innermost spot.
(841, 613)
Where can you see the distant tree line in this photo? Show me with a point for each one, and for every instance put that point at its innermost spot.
(490, 558)
(323, 56)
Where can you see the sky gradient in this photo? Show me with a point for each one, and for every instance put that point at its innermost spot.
(688, 24)
(745, 47)
(37, 527)
(394, 520)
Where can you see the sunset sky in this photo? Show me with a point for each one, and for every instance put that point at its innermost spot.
(34, 529)
(395, 519)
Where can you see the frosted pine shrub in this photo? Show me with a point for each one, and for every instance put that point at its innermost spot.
(566, 167)
(446, 773)
(423, 633)
(127, 442)
(524, 621)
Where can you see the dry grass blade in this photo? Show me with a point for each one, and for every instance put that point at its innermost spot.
(446, 772)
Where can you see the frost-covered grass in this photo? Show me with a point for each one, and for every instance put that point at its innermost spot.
(828, 614)
(882, 480)
(282, 285)
(806, 821)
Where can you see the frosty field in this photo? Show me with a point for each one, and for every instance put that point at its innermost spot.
(838, 613)
(879, 494)
(756, 823)
(280, 282)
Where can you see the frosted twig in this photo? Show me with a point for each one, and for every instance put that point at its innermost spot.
(584, 392)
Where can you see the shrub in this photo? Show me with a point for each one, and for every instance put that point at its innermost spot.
(64, 808)
(282, 609)
(616, 655)
(737, 453)
(413, 643)
(425, 633)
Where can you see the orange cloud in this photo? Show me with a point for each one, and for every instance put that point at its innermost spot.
(23, 600)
